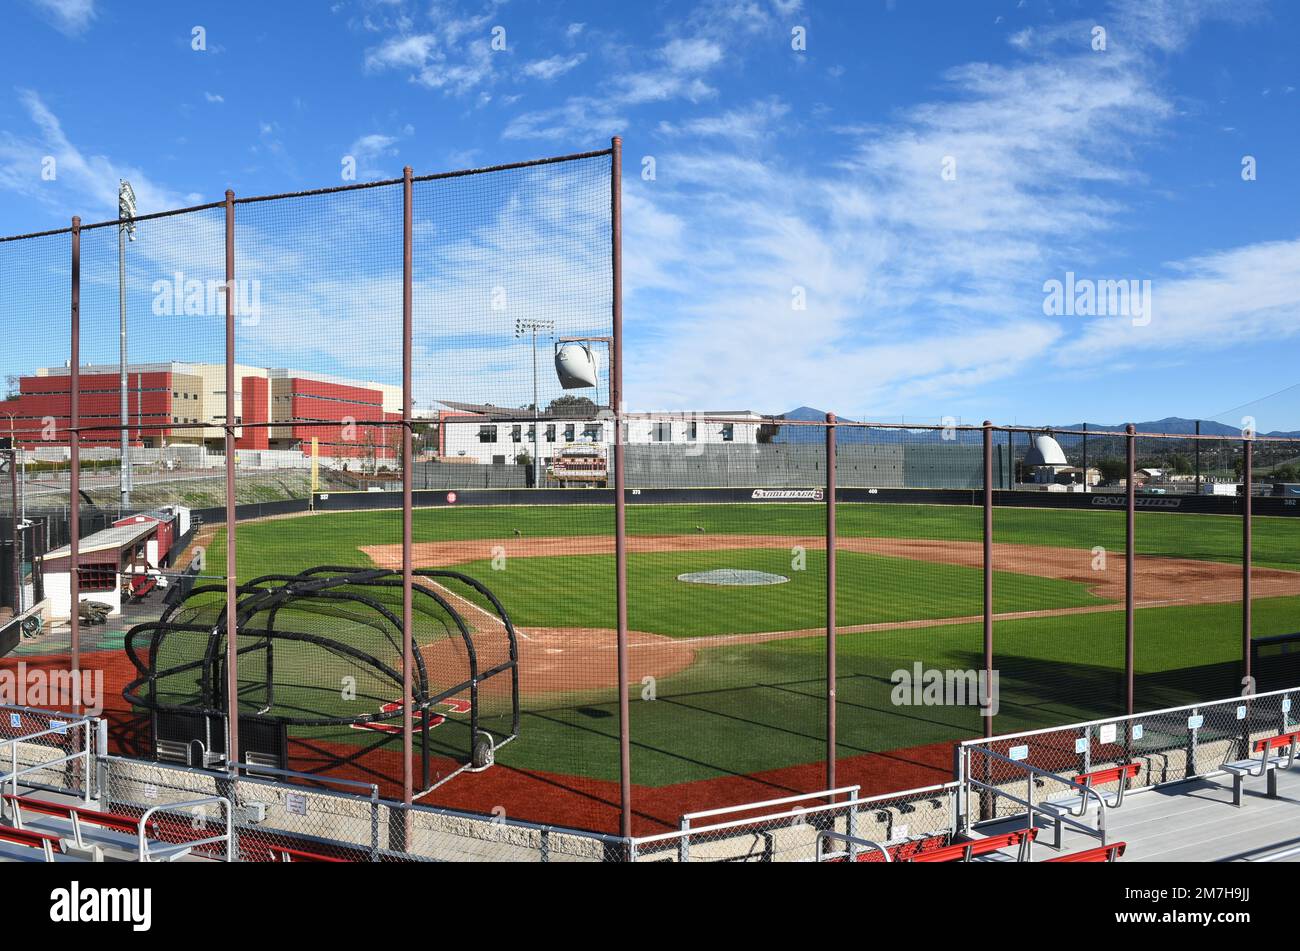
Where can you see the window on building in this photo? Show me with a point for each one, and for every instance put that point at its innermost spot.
(487, 434)
(569, 430)
(662, 432)
(692, 430)
(728, 432)
(550, 432)
(594, 431)
(516, 433)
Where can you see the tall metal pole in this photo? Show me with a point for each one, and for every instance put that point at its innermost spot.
(408, 649)
(124, 466)
(74, 451)
(1130, 568)
(1085, 457)
(988, 572)
(1247, 556)
(620, 506)
(1198, 458)
(537, 481)
(831, 621)
(17, 553)
(232, 574)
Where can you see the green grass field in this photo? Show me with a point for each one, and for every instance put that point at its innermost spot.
(746, 707)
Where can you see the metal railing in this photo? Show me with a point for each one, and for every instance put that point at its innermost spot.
(1168, 746)
(57, 728)
(171, 852)
(854, 844)
(894, 819)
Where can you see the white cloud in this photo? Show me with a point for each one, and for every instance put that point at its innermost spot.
(370, 151)
(69, 16)
(917, 287)
(214, 97)
(85, 184)
(553, 66)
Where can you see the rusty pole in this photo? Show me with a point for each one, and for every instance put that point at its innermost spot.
(74, 449)
(1130, 569)
(232, 574)
(1247, 556)
(408, 650)
(620, 506)
(831, 587)
(988, 574)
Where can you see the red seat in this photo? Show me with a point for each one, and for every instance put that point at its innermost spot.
(33, 840)
(141, 585)
(1099, 777)
(106, 820)
(1270, 743)
(1103, 853)
(965, 851)
(299, 855)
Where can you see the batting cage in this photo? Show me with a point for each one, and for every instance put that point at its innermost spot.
(320, 653)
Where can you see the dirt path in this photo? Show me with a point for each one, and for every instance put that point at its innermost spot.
(568, 659)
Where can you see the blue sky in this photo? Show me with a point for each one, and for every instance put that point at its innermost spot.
(815, 175)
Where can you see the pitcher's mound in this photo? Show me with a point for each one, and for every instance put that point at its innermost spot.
(732, 576)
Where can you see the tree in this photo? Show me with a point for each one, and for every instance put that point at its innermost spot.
(571, 405)
(1112, 469)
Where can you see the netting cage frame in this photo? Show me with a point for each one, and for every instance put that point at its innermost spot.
(321, 587)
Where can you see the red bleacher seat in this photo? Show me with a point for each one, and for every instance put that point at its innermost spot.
(965, 851)
(49, 844)
(1103, 853)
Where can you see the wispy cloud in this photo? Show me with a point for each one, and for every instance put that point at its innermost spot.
(882, 281)
(83, 183)
(553, 66)
(72, 17)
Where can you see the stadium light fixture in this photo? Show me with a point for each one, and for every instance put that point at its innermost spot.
(525, 326)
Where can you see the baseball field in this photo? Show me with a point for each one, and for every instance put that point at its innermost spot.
(728, 683)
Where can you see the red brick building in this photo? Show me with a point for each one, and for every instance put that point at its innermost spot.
(184, 403)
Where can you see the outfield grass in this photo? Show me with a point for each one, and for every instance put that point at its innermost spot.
(283, 544)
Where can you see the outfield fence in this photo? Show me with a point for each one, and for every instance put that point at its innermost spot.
(425, 374)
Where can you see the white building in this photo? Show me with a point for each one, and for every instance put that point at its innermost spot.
(493, 435)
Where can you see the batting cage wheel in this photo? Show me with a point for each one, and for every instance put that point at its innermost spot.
(485, 753)
(299, 637)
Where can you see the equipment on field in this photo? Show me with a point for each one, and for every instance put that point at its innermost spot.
(320, 654)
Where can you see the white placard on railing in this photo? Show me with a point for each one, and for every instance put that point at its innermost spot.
(1195, 722)
(1081, 744)
(1241, 712)
(1107, 733)
(1137, 731)
(1018, 753)
(15, 720)
(1286, 704)
(295, 804)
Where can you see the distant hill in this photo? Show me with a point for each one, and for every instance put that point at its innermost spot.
(1173, 425)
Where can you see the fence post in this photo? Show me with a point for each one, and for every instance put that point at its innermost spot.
(831, 588)
(232, 575)
(620, 502)
(74, 452)
(1130, 554)
(988, 573)
(408, 650)
(1247, 556)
